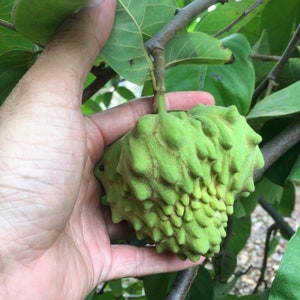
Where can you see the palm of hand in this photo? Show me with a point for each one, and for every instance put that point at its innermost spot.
(53, 177)
(54, 232)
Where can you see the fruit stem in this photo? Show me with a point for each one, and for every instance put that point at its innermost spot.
(159, 104)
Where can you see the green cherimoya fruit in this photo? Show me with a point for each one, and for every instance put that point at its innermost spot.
(174, 176)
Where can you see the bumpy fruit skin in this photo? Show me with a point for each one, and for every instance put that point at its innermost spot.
(174, 177)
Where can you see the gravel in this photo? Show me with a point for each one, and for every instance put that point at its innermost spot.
(252, 255)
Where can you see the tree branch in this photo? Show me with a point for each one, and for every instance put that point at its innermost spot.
(238, 19)
(274, 73)
(180, 20)
(7, 25)
(103, 75)
(279, 145)
(182, 284)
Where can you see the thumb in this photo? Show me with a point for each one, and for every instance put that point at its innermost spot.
(66, 61)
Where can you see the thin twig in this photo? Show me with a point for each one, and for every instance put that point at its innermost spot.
(242, 272)
(274, 73)
(238, 19)
(271, 232)
(265, 57)
(103, 75)
(7, 25)
(182, 17)
(272, 85)
(279, 220)
(279, 145)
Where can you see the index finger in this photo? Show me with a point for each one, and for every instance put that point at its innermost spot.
(129, 261)
(115, 122)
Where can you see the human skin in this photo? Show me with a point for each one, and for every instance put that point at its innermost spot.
(55, 235)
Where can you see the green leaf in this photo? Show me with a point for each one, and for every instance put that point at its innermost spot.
(240, 233)
(221, 290)
(283, 102)
(124, 50)
(282, 199)
(233, 83)
(125, 93)
(225, 14)
(239, 210)
(289, 74)
(279, 19)
(157, 14)
(287, 280)
(287, 201)
(271, 192)
(230, 84)
(105, 296)
(104, 98)
(93, 104)
(91, 295)
(202, 287)
(262, 67)
(183, 78)
(116, 287)
(134, 21)
(157, 286)
(294, 66)
(5, 9)
(135, 288)
(280, 170)
(272, 246)
(295, 172)
(9, 39)
(37, 20)
(249, 203)
(196, 47)
(13, 65)
(224, 265)
(247, 297)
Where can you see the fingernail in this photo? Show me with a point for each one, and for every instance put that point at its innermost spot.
(93, 3)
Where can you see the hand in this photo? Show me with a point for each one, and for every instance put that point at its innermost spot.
(55, 236)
